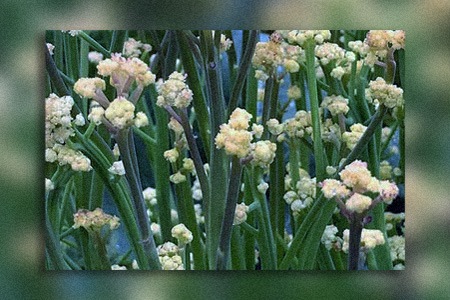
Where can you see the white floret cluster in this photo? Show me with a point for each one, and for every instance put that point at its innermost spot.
(182, 234)
(329, 238)
(236, 139)
(370, 238)
(355, 181)
(134, 48)
(240, 214)
(169, 257)
(352, 138)
(381, 93)
(174, 91)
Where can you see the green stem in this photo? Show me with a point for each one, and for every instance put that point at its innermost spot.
(356, 227)
(132, 173)
(193, 79)
(234, 185)
(94, 44)
(215, 204)
(315, 116)
(243, 70)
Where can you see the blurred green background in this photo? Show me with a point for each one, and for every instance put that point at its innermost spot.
(23, 24)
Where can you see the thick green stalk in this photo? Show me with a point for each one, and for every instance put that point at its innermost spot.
(356, 227)
(315, 116)
(119, 193)
(266, 238)
(234, 184)
(249, 237)
(128, 152)
(193, 79)
(187, 216)
(94, 44)
(219, 162)
(266, 104)
(243, 70)
(237, 251)
(162, 172)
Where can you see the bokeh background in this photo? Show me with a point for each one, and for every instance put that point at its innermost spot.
(23, 23)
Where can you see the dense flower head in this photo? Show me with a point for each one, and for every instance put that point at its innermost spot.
(397, 245)
(388, 191)
(122, 70)
(96, 113)
(358, 203)
(120, 113)
(174, 91)
(299, 125)
(384, 39)
(58, 127)
(352, 138)
(300, 36)
(356, 175)
(66, 155)
(171, 262)
(240, 214)
(86, 87)
(168, 249)
(274, 126)
(334, 188)
(263, 153)
(380, 92)
(267, 56)
(94, 220)
(370, 238)
(134, 48)
(239, 119)
(182, 234)
(328, 52)
(329, 238)
(233, 136)
(336, 104)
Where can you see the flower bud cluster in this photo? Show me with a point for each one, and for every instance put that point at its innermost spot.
(301, 36)
(335, 104)
(133, 48)
(370, 238)
(120, 113)
(330, 132)
(330, 54)
(94, 220)
(381, 40)
(66, 155)
(240, 214)
(87, 87)
(352, 138)
(329, 238)
(300, 194)
(169, 257)
(397, 245)
(182, 234)
(380, 92)
(274, 53)
(356, 180)
(123, 71)
(234, 136)
(298, 126)
(58, 121)
(236, 139)
(174, 91)
(150, 196)
(95, 57)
